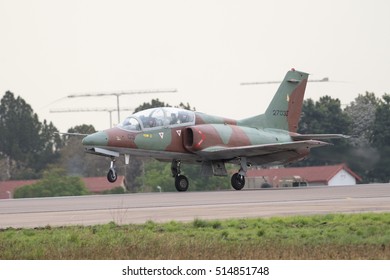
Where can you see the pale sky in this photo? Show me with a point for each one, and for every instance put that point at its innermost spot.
(205, 49)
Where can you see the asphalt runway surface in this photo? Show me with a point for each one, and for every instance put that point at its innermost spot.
(162, 207)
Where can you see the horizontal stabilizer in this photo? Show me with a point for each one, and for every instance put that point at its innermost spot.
(300, 137)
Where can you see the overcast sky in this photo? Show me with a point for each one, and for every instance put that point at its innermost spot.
(205, 49)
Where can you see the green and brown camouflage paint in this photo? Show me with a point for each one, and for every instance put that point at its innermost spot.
(211, 132)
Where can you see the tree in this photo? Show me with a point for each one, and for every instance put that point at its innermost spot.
(26, 145)
(381, 127)
(54, 183)
(380, 140)
(157, 174)
(155, 103)
(51, 144)
(74, 159)
(325, 116)
(361, 112)
(363, 155)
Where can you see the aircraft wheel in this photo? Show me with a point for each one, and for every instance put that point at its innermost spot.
(112, 176)
(238, 181)
(181, 183)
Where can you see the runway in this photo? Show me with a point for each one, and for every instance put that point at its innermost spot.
(161, 207)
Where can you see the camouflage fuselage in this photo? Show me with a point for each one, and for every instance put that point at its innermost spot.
(185, 141)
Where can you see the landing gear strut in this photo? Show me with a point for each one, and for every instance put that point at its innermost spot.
(238, 179)
(181, 181)
(112, 175)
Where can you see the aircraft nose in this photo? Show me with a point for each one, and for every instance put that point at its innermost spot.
(96, 139)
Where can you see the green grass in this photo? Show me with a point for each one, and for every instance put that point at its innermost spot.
(355, 236)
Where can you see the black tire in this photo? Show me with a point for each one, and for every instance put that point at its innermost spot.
(112, 176)
(266, 186)
(238, 181)
(181, 183)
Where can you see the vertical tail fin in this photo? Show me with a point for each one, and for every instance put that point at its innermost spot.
(284, 111)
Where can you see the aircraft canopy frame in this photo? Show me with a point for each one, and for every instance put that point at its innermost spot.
(158, 118)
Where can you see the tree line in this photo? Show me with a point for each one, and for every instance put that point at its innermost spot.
(366, 120)
(29, 147)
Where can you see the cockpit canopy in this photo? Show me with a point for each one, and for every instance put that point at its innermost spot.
(158, 117)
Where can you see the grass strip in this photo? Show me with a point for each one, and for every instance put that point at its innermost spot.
(334, 236)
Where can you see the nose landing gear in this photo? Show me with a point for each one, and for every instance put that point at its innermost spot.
(112, 176)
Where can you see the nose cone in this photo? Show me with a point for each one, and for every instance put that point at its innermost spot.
(96, 139)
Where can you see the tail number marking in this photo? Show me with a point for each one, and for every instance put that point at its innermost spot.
(282, 113)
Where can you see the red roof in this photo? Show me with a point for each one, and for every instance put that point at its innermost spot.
(93, 184)
(310, 174)
(7, 187)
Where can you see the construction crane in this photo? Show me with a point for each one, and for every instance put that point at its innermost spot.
(73, 110)
(326, 79)
(118, 94)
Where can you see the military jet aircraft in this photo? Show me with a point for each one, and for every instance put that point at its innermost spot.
(183, 136)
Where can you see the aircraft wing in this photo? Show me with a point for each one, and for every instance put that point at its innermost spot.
(227, 153)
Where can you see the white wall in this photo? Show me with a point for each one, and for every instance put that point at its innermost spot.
(342, 178)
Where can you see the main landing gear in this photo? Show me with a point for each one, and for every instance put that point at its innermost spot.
(238, 179)
(112, 175)
(181, 181)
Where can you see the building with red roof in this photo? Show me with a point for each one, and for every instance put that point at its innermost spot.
(7, 188)
(330, 175)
